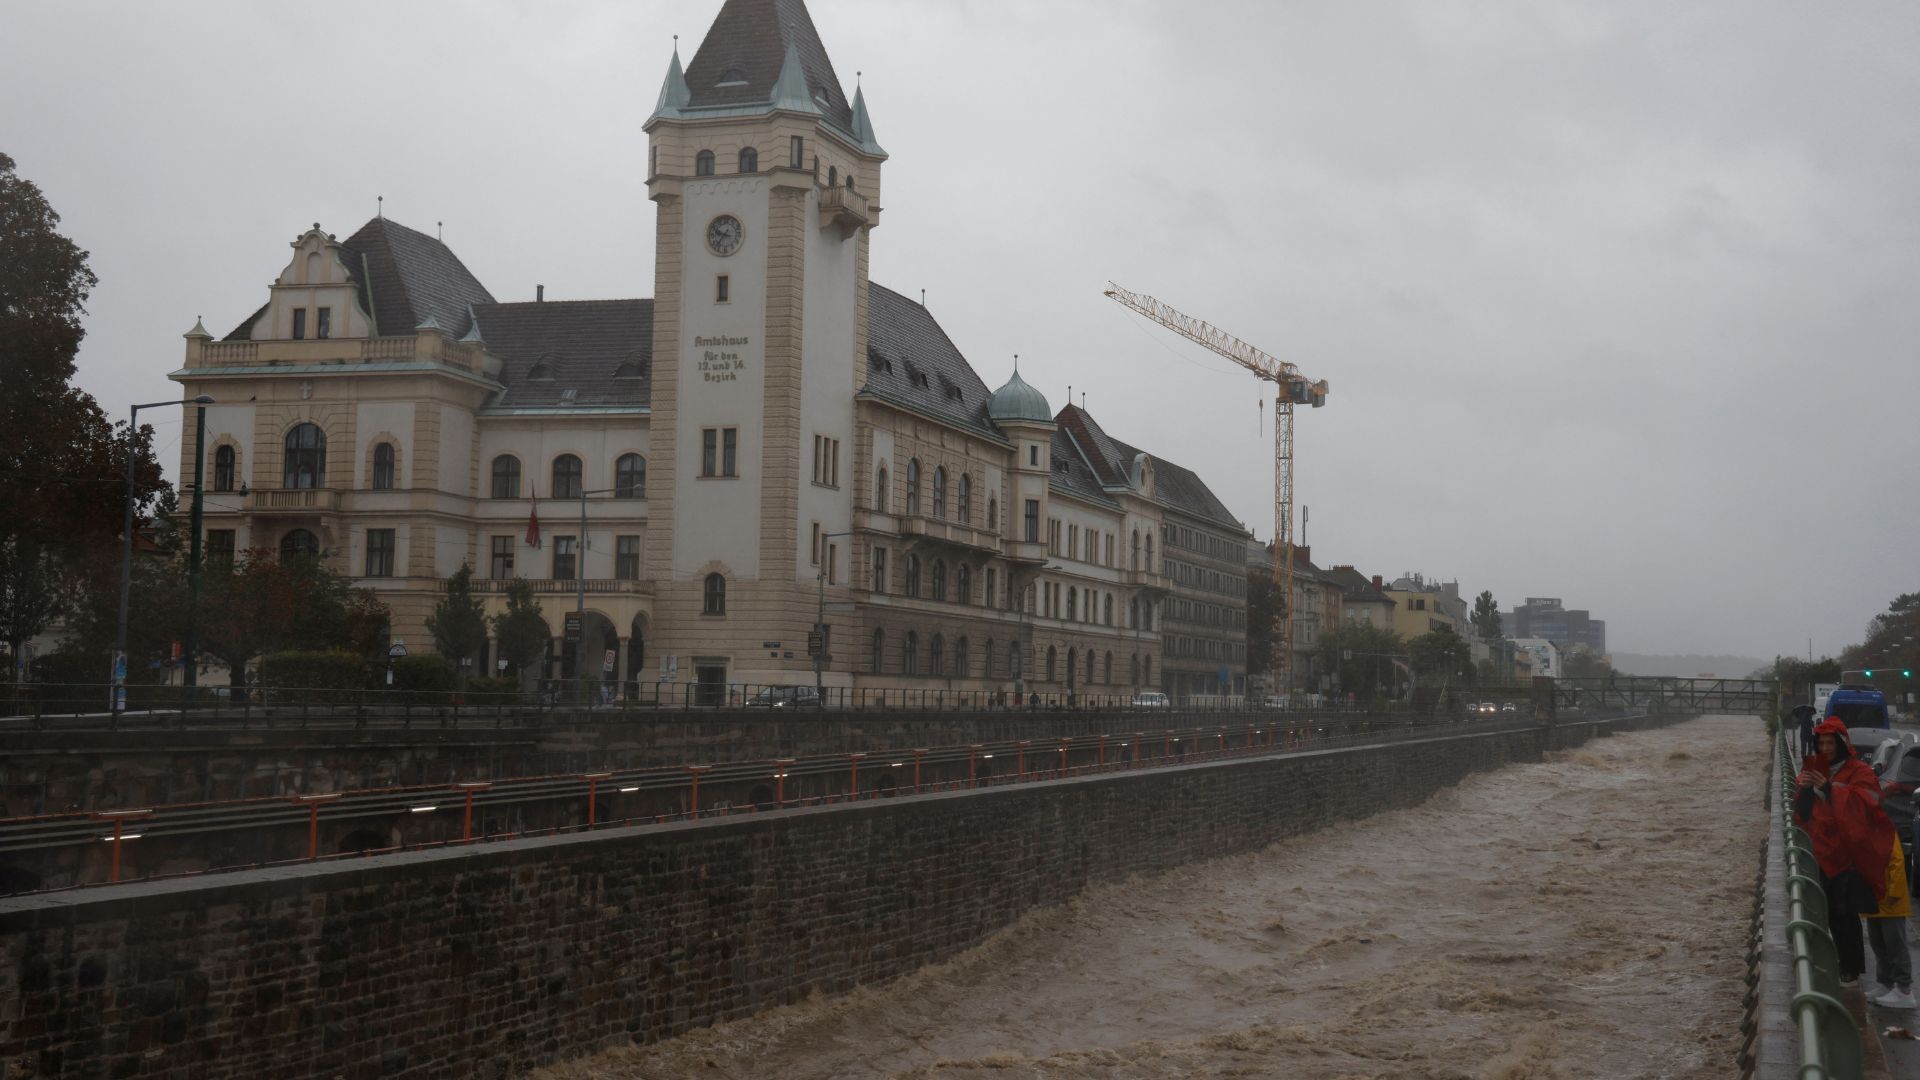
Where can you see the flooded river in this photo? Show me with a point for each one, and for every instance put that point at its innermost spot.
(1578, 918)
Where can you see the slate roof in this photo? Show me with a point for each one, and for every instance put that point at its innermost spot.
(581, 344)
(746, 46)
(912, 362)
(402, 275)
(1071, 471)
(1357, 586)
(1176, 485)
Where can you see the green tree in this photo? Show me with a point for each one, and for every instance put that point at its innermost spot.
(1486, 616)
(262, 604)
(522, 631)
(1581, 662)
(1440, 655)
(458, 622)
(1362, 656)
(1265, 606)
(62, 464)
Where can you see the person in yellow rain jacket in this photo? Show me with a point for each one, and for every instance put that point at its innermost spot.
(1887, 933)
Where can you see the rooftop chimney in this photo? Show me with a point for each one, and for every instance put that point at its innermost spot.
(1377, 583)
(539, 294)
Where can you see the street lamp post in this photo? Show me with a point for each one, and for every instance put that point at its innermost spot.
(118, 702)
(192, 673)
(820, 621)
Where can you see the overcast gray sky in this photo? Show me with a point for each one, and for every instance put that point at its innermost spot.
(1617, 300)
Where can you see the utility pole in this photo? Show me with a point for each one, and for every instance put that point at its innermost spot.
(117, 700)
(580, 591)
(187, 654)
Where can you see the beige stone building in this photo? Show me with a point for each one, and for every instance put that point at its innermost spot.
(771, 435)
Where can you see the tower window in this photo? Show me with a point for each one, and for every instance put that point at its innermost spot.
(299, 323)
(223, 469)
(720, 289)
(797, 151)
(833, 176)
(703, 163)
(323, 323)
(749, 159)
(715, 596)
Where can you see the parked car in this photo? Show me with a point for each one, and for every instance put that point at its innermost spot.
(781, 697)
(1512, 707)
(1151, 699)
(1899, 777)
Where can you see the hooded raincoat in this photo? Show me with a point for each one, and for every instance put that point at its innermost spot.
(1843, 816)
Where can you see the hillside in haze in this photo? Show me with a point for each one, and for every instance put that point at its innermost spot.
(1688, 665)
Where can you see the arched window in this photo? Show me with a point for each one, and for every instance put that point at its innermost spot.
(1146, 615)
(749, 159)
(1149, 567)
(306, 461)
(940, 492)
(299, 544)
(913, 575)
(1073, 667)
(1133, 613)
(913, 486)
(1146, 669)
(879, 659)
(1133, 562)
(960, 658)
(990, 596)
(963, 502)
(506, 477)
(1108, 605)
(223, 469)
(1133, 670)
(939, 579)
(566, 477)
(630, 477)
(1013, 658)
(833, 176)
(703, 163)
(880, 491)
(1107, 674)
(1088, 681)
(963, 584)
(715, 595)
(1073, 604)
(910, 654)
(1053, 660)
(937, 656)
(993, 514)
(383, 467)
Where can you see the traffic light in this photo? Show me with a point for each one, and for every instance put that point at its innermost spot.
(1869, 673)
(1906, 673)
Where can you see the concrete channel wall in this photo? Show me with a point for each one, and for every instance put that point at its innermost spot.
(490, 960)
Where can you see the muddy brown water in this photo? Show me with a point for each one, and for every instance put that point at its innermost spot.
(1583, 917)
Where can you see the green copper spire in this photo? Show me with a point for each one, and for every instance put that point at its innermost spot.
(674, 92)
(790, 91)
(863, 125)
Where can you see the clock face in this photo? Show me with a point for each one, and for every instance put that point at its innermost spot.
(723, 234)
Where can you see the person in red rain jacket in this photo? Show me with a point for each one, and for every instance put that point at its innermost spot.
(1838, 804)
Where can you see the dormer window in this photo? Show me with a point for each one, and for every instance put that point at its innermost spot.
(628, 369)
(299, 324)
(920, 379)
(703, 163)
(749, 159)
(732, 77)
(953, 392)
(323, 323)
(541, 371)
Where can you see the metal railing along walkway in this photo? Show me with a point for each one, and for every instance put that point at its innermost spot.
(1829, 1040)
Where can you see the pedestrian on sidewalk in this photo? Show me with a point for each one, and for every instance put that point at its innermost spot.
(1887, 933)
(1839, 806)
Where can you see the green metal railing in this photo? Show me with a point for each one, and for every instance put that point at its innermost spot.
(1829, 1040)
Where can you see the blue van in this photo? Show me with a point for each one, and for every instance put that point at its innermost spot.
(1859, 707)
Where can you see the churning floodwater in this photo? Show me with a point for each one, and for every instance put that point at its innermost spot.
(1583, 917)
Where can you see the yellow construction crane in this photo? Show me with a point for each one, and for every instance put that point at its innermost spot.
(1290, 388)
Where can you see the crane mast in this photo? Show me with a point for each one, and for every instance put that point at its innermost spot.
(1290, 388)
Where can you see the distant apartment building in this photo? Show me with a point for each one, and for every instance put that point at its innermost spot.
(1423, 606)
(1362, 599)
(1317, 606)
(1546, 617)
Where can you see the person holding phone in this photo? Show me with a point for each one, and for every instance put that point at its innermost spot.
(1838, 804)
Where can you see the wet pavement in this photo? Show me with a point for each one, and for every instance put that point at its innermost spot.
(1582, 917)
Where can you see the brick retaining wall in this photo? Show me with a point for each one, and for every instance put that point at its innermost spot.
(487, 961)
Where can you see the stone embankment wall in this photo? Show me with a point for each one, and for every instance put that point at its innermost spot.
(53, 771)
(489, 960)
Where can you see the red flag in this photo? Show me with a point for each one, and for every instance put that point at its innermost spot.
(533, 516)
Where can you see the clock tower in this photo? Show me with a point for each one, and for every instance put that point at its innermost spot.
(766, 183)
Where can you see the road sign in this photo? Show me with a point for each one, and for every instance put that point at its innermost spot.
(813, 644)
(611, 657)
(573, 626)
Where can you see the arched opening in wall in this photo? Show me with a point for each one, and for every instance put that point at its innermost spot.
(940, 492)
(299, 544)
(595, 661)
(1107, 676)
(383, 467)
(1133, 670)
(360, 840)
(223, 469)
(939, 579)
(913, 487)
(963, 584)
(749, 159)
(1053, 655)
(833, 176)
(910, 654)
(703, 163)
(1072, 656)
(880, 491)
(877, 661)
(506, 477)
(960, 658)
(993, 514)
(636, 656)
(1073, 603)
(936, 656)
(305, 463)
